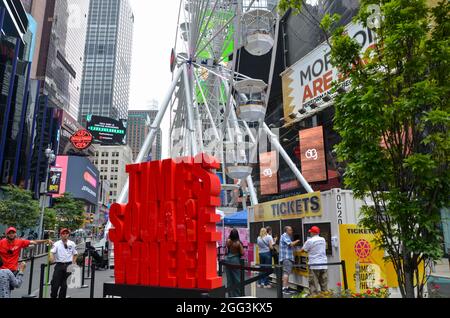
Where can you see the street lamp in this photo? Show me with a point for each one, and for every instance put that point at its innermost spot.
(50, 159)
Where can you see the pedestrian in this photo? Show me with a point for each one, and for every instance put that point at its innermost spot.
(10, 248)
(276, 247)
(9, 281)
(235, 251)
(265, 246)
(316, 247)
(64, 254)
(287, 256)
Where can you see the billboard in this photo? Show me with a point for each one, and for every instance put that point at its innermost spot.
(313, 160)
(268, 173)
(107, 131)
(358, 246)
(79, 177)
(311, 78)
(54, 180)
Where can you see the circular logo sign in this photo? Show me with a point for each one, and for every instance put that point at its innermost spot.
(363, 249)
(81, 139)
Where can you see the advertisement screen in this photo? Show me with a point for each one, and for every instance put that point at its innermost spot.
(79, 178)
(313, 160)
(269, 173)
(107, 131)
(54, 180)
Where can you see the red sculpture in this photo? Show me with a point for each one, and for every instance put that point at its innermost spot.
(166, 235)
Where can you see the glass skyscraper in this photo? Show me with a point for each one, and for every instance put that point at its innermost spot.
(107, 65)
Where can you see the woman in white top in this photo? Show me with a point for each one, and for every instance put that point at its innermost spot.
(265, 245)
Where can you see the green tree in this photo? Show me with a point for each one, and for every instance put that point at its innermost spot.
(394, 123)
(69, 212)
(19, 209)
(50, 219)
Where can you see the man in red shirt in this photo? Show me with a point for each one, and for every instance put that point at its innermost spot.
(10, 248)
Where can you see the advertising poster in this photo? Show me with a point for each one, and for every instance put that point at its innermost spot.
(359, 250)
(54, 180)
(313, 160)
(269, 173)
(79, 177)
(311, 78)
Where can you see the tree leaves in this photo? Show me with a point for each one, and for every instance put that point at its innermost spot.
(19, 209)
(69, 212)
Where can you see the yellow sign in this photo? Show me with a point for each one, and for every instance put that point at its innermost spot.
(305, 205)
(359, 251)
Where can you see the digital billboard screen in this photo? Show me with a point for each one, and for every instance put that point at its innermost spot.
(79, 177)
(269, 173)
(313, 160)
(107, 131)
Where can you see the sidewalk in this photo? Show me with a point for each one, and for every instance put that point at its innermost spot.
(442, 269)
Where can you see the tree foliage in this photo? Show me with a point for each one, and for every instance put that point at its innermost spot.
(394, 124)
(50, 219)
(69, 212)
(19, 209)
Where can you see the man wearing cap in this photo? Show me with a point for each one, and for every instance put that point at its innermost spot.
(63, 253)
(10, 248)
(316, 247)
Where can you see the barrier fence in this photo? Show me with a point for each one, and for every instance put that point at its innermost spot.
(268, 270)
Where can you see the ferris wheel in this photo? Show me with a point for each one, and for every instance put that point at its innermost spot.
(215, 109)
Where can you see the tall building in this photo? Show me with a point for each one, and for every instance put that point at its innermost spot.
(17, 91)
(61, 38)
(111, 161)
(58, 67)
(106, 82)
(139, 122)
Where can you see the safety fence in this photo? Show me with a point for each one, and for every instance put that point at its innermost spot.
(44, 281)
(266, 270)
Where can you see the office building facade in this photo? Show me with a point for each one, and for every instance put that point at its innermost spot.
(107, 66)
(111, 161)
(139, 122)
(17, 92)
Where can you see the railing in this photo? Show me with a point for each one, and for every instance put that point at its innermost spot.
(267, 270)
(36, 251)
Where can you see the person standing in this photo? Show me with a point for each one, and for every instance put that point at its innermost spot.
(276, 248)
(64, 254)
(316, 247)
(10, 248)
(287, 256)
(265, 246)
(9, 281)
(235, 251)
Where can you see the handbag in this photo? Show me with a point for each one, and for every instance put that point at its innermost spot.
(273, 251)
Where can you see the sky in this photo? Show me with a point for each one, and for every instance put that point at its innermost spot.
(154, 37)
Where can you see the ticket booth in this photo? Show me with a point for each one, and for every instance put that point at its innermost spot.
(335, 212)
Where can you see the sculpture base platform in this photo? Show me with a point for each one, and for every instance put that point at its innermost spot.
(136, 291)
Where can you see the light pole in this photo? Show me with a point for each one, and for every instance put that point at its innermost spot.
(49, 154)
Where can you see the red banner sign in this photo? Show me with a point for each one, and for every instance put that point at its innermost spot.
(82, 139)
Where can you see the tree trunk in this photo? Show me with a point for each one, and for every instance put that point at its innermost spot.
(409, 276)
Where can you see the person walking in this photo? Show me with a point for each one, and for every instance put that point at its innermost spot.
(287, 256)
(64, 254)
(316, 247)
(10, 248)
(9, 281)
(235, 251)
(265, 246)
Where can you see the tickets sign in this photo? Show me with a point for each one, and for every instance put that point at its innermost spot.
(301, 206)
